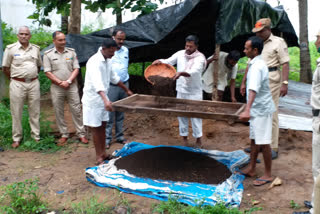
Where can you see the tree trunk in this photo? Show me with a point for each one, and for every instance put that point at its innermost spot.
(305, 65)
(215, 74)
(64, 24)
(75, 17)
(119, 15)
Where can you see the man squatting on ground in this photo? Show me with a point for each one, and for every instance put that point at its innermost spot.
(119, 63)
(275, 54)
(61, 66)
(228, 69)
(96, 103)
(315, 103)
(190, 65)
(258, 110)
(21, 64)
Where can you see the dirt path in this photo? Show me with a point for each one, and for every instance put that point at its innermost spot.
(62, 178)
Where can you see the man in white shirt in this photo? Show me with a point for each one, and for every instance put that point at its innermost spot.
(259, 110)
(190, 65)
(96, 103)
(228, 69)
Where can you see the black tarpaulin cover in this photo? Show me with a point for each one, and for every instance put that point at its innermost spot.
(162, 33)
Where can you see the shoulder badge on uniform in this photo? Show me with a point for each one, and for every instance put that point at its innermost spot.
(47, 51)
(36, 46)
(71, 49)
(11, 45)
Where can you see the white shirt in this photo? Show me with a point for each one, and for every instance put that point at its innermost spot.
(225, 74)
(258, 81)
(120, 62)
(98, 77)
(192, 84)
(315, 91)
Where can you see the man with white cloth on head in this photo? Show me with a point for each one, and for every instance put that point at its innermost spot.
(190, 65)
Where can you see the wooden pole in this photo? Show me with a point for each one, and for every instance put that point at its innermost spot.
(215, 74)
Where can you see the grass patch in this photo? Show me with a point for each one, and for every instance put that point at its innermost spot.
(46, 144)
(22, 197)
(90, 206)
(172, 206)
(294, 205)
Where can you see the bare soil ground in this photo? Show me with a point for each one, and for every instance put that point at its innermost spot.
(62, 177)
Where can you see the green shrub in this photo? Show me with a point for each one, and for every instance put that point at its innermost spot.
(46, 144)
(137, 68)
(242, 63)
(22, 197)
(172, 206)
(45, 83)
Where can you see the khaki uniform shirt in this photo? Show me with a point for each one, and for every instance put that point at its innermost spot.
(60, 64)
(23, 63)
(315, 91)
(275, 51)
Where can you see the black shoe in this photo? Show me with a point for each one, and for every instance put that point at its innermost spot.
(306, 212)
(307, 204)
(274, 154)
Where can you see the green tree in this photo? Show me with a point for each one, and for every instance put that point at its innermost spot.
(44, 7)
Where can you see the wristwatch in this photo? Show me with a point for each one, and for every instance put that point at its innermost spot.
(285, 82)
(69, 81)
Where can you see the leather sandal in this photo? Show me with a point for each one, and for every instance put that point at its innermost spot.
(62, 141)
(15, 144)
(84, 140)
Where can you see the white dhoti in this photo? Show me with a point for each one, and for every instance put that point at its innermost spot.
(195, 122)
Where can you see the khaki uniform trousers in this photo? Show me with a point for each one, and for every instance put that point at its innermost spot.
(316, 164)
(58, 96)
(19, 92)
(275, 85)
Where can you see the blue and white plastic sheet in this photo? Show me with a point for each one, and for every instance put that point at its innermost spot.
(228, 192)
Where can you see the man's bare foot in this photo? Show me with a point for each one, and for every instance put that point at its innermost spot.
(102, 159)
(246, 172)
(185, 141)
(199, 143)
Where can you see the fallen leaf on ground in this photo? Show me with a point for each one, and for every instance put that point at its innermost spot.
(276, 182)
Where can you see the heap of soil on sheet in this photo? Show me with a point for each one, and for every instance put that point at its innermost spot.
(167, 163)
(162, 86)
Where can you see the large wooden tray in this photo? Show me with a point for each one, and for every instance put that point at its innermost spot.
(170, 106)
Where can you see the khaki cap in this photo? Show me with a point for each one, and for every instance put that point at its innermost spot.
(261, 23)
(318, 34)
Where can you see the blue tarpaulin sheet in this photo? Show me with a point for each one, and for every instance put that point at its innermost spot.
(228, 192)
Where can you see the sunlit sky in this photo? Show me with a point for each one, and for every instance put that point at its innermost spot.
(291, 7)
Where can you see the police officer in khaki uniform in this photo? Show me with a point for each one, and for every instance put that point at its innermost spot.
(275, 54)
(314, 205)
(61, 66)
(21, 63)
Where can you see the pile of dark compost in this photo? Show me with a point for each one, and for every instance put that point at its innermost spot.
(167, 163)
(162, 86)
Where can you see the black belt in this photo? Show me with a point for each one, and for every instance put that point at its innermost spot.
(273, 69)
(117, 84)
(315, 112)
